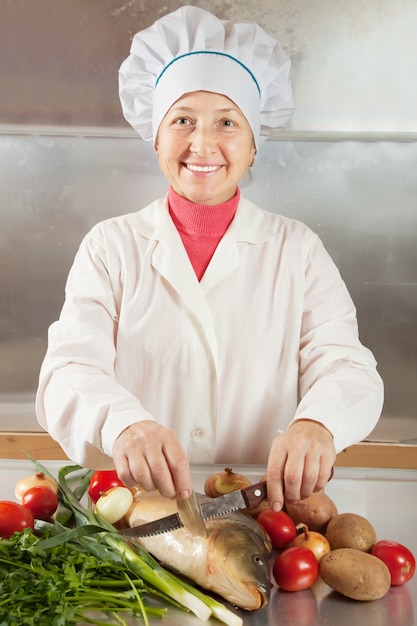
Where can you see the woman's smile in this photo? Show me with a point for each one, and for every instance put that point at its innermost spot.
(202, 169)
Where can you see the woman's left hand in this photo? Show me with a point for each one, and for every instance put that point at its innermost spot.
(300, 462)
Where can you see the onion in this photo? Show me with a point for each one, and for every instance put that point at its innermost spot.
(224, 482)
(113, 504)
(313, 540)
(34, 480)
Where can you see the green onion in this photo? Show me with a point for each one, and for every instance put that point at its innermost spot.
(102, 540)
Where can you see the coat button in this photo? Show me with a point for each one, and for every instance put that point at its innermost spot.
(197, 433)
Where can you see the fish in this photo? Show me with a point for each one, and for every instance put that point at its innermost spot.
(230, 559)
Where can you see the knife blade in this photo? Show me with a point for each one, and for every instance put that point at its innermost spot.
(191, 516)
(243, 499)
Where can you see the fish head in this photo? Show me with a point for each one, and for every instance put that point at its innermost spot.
(239, 564)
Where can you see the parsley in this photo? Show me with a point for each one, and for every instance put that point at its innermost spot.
(63, 585)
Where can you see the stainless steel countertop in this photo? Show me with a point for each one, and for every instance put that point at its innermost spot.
(387, 498)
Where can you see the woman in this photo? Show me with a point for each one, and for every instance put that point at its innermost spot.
(201, 328)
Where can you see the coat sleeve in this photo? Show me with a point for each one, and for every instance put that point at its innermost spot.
(339, 383)
(79, 401)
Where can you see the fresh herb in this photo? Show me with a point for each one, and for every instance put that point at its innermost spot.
(65, 584)
(62, 575)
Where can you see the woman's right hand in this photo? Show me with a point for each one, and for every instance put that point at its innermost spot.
(150, 455)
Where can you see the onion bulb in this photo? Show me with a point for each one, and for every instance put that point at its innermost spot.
(34, 480)
(224, 482)
(313, 540)
(113, 504)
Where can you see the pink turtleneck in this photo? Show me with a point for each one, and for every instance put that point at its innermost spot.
(201, 226)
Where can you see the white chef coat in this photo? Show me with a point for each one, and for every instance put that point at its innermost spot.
(267, 336)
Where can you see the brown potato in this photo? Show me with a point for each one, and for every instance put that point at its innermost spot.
(348, 530)
(315, 511)
(355, 574)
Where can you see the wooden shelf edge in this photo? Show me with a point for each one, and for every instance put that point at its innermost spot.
(13, 445)
(41, 446)
(373, 454)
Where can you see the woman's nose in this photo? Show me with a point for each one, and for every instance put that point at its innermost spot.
(203, 141)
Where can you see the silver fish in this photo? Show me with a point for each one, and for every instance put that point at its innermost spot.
(229, 559)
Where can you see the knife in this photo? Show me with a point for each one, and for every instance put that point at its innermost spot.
(243, 499)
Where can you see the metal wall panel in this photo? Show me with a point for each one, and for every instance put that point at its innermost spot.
(360, 197)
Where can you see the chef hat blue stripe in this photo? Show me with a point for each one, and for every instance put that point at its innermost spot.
(223, 54)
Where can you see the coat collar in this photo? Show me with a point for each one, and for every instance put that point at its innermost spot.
(250, 224)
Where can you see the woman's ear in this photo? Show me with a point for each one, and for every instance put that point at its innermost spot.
(252, 155)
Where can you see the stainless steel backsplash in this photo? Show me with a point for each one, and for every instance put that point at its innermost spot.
(360, 197)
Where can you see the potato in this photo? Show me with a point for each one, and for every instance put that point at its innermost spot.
(355, 574)
(315, 511)
(348, 530)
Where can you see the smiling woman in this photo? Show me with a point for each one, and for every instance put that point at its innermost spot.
(202, 328)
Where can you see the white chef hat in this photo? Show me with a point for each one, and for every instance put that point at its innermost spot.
(192, 50)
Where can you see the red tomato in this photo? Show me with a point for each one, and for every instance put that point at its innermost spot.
(41, 501)
(279, 526)
(14, 517)
(399, 560)
(101, 481)
(296, 569)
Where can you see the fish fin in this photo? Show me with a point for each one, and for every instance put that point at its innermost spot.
(190, 514)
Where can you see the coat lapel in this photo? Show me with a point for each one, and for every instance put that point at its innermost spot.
(171, 261)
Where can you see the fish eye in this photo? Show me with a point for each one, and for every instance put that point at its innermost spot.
(258, 560)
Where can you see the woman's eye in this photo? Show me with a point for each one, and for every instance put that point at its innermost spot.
(182, 121)
(227, 123)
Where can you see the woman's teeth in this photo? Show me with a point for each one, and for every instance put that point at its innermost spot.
(202, 168)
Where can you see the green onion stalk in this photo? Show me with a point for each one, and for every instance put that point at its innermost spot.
(138, 561)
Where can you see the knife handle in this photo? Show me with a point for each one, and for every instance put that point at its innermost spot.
(255, 494)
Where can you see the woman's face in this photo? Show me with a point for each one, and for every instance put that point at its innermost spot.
(204, 147)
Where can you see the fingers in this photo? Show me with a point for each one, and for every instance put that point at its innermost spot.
(300, 463)
(151, 456)
(291, 484)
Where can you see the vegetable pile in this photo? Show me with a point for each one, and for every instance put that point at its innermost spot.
(313, 540)
(77, 566)
(62, 563)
